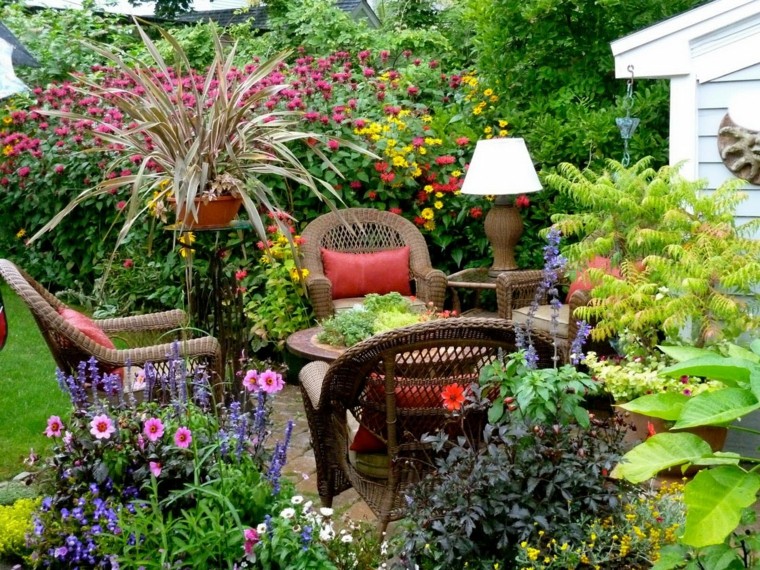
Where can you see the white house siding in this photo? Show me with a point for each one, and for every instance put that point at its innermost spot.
(712, 105)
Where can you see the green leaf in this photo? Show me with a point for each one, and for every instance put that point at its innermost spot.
(660, 452)
(671, 557)
(755, 346)
(719, 407)
(730, 371)
(666, 405)
(714, 500)
(496, 411)
(736, 351)
(720, 557)
(683, 353)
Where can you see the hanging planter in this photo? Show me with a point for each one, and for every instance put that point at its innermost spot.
(212, 213)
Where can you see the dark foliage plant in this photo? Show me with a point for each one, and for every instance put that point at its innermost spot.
(525, 478)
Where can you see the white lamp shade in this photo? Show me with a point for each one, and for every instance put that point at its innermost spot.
(9, 83)
(744, 109)
(501, 167)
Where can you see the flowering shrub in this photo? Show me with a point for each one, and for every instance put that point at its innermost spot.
(136, 480)
(273, 292)
(631, 537)
(627, 379)
(15, 523)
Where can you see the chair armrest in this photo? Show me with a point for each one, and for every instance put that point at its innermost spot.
(319, 290)
(312, 377)
(515, 289)
(153, 322)
(206, 347)
(431, 286)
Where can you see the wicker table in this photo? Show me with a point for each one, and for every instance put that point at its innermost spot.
(476, 279)
(304, 345)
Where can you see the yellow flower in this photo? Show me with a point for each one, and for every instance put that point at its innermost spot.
(477, 111)
(21, 233)
(427, 214)
(7, 120)
(439, 194)
(503, 133)
(429, 225)
(7, 150)
(422, 150)
(400, 161)
(503, 124)
(428, 188)
(456, 173)
(494, 99)
(438, 204)
(187, 238)
(488, 130)
(488, 92)
(427, 119)
(416, 172)
(405, 113)
(186, 251)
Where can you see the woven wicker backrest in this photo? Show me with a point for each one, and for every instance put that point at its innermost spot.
(392, 382)
(67, 344)
(362, 230)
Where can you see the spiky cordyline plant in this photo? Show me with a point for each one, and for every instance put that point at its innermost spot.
(207, 140)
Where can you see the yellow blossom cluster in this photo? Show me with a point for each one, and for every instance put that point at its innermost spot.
(15, 523)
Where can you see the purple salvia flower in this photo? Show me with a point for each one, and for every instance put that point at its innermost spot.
(260, 417)
(306, 537)
(519, 336)
(201, 391)
(531, 357)
(576, 348)
(278, 459)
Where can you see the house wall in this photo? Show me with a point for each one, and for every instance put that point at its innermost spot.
(712, 104)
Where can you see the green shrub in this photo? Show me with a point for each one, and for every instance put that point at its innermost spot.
(15, 523)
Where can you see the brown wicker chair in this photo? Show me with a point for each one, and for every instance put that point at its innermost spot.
(515, 293)
(391, 384)
(70, 346)
(366, 230)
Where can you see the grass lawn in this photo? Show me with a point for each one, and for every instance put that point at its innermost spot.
(29, 392)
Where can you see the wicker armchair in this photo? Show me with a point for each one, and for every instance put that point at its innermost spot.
(366, 230)
(515, 292)
(70, 346)
(391, 384)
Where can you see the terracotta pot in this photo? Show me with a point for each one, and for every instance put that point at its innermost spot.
(641, 427)
(217, 213)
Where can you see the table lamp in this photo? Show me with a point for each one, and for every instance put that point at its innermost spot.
(502, 168)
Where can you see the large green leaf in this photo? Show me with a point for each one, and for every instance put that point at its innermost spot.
(736, 351)
(755, 346)
(660, 452)
(665, 405)
(714, 501)
(719, 407)
(683, 353)
(730, 371)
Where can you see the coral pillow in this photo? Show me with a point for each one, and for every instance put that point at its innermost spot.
(406, 397)
(583, 281)
(358, 274)
(86, 326)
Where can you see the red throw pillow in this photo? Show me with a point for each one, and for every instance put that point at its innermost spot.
(583, 281)
(358, 274)
(86, 326)
(406, 397)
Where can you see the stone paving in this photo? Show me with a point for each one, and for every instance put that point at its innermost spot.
(300, 466)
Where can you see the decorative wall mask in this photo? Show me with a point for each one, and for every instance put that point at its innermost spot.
(740, 150)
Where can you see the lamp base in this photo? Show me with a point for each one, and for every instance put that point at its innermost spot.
(504, 227)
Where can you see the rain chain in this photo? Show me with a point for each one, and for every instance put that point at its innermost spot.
(627, 124)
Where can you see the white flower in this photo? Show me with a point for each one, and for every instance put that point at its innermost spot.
(347, 538)
(288, 513)
(307, 506)
(296, 500)
(326, 511)
(261, 529)
(327, 533)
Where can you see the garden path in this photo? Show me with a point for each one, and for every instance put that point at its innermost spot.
(300, 466)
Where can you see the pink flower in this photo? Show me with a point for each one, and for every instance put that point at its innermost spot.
(250, 382)
(153, 429)
(24, 171)
(155, 468)
(183, 438)
(270, 381)
(522, 201)
(58, 168)
(102, 427)
(462, 141)
(240, 274)
(121, 204)
(54, 427)
(128, 263)
(332, 144)
(251, 539)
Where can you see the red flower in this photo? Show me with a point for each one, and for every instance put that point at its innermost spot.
(445, 159)
(522, 201)
(355, 184)
(24, 171)
(332, 144)
(453, 397)
(372, 195)
(240, 274)
(476, 212)
(395, 211)
(121, 204)
(462, 141)
(419, 221)
(128, 263)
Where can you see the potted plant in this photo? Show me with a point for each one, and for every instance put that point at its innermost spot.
(194, 138)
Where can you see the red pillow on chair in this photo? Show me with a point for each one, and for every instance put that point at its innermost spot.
(86, 326)
(358, 274)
